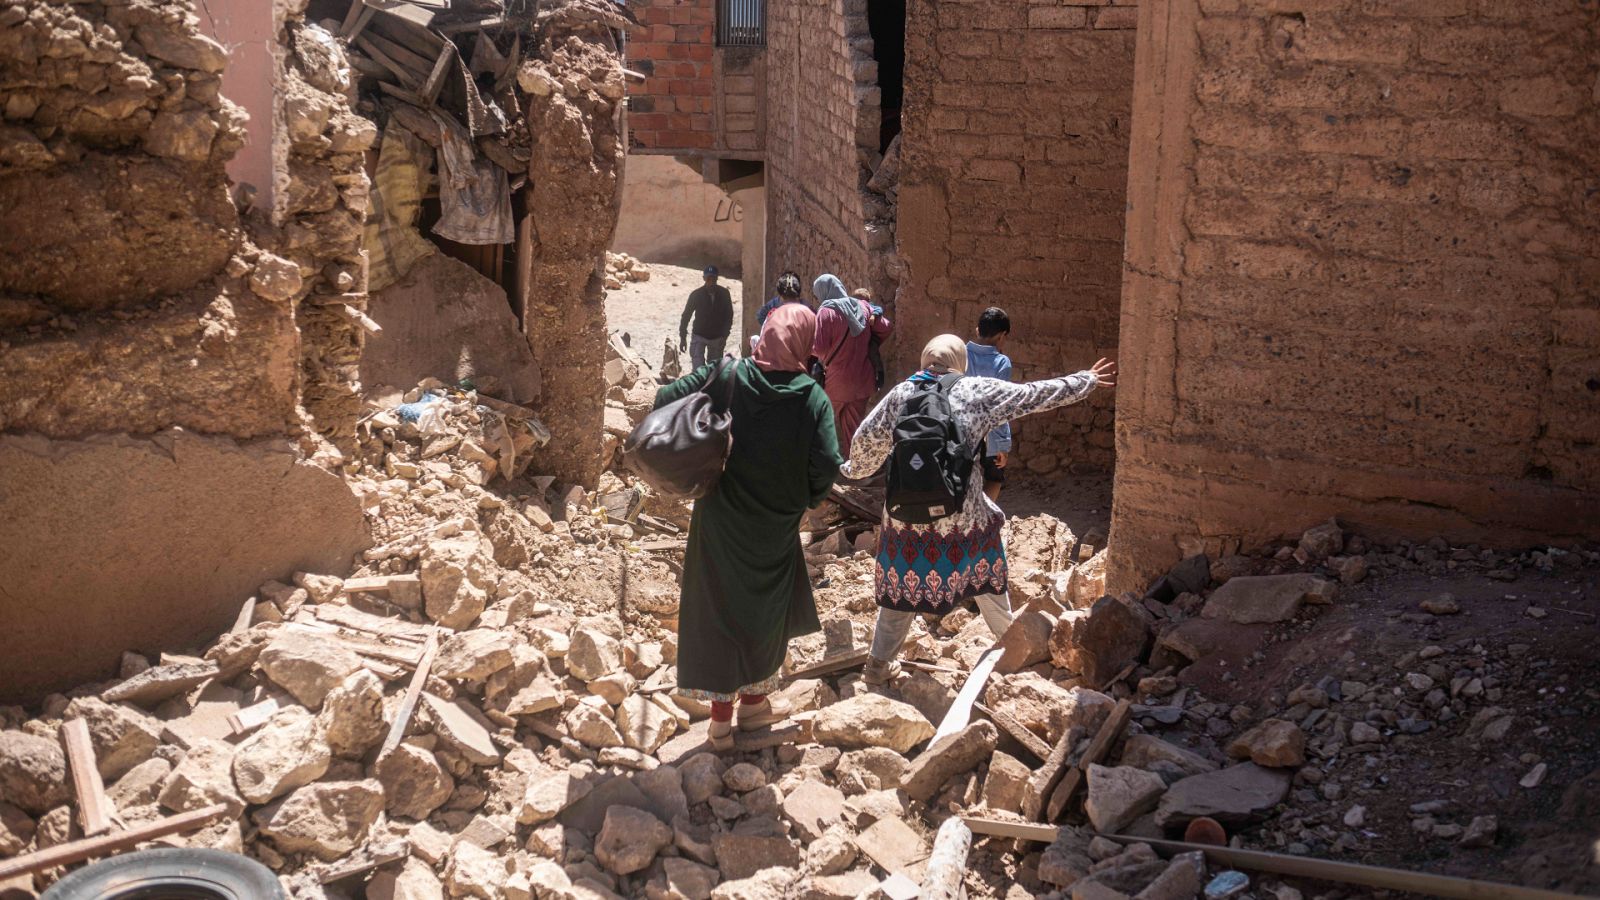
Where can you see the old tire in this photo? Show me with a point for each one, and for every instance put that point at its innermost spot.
(170, 874)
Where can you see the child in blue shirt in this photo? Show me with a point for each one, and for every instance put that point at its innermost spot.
(986, 359)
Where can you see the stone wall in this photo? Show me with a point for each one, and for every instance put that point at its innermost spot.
(696, 95)
(1362, 276)
(1012, 186)
(822, 144)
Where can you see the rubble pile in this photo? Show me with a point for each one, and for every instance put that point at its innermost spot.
(547, 755)
(622, 269)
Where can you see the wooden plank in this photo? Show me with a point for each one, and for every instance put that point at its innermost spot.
(1023, 735)
(960, 712)
(356, 620)
(1295, 866)
(364, 860)
(371, 648)
(850, 504)
(401, 93)
(473, 25)
(378, 584)
(94, 808)
(408, 706)
(252, 717)
(89, 848)
(947, 864)
(356, 21)
(1042, 783)
(403, 49)
(405, 75)
(829, 665)
(1109, 731)
(431, 87)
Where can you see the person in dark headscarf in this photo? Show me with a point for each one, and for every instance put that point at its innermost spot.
(745, 588)
(845, 328)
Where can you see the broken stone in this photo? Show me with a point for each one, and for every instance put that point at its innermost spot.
(122, 737)
(328, 819)
(1066, 860)
(871, 720)
(702, 777)
(201, 779)
(351, 720)
(1025, 642)
(1441, 605)
(767, 884)
(141, 785)
(949, 757)
(592, 655)
(456, 580)
(182, 47)
(1005, 784)
(1237, 795)
(743, 777)
(16, 830)
(832, 853)
(1046, 708)
(872, 769)
(1101, 641)
(475, 872)
(613, 688)
(630, 840)
(33, 772)
(1145, 750)
(307, 667)
(644, 725)
(814, 808)
(548, 793)
(688, 879)
(1362, 733)
(1322, 541)
(461, 728)
(284, 754)
(743, 855)
(1253, 599)
(590, 726)
(414, 881)
(1274, 742)
(160, 683)
(1481, 832)
(473, 655)
(1118, 795)
(414, 784)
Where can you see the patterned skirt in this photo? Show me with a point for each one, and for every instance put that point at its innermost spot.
(921, 570)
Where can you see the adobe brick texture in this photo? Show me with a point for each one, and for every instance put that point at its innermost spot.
(822, 135)
(1013, 182)
(1362, 276)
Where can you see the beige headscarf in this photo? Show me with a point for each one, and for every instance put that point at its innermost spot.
(945, 354)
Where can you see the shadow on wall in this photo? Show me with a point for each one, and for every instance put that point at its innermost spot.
(671, 215)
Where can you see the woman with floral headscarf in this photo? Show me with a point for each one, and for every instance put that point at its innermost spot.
(745, 588)
(930, 568)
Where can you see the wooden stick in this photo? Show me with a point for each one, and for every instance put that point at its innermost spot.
(252, 717)
(960, 712)
(89, 848)
(1042, 783)
(1009, 724)
(947, 864)
(1103, 739)
(408, 706)
(358, 317)
(94, 808)
(829, 665)
(838, 496)
(431, 87)
(1297, 866)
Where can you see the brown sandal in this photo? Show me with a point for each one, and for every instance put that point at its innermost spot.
(762, 715)
(721, 736)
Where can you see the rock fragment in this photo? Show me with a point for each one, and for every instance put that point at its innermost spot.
(328, 819)
(33, 772)
(949, 757)
(159, 683)
(306, 667)
(1118, 795)
(122, 737)
(1274, 742)
(1236, 795)
(630, 840)
(1247, 600)
(203, 778)
(286, 753)
(871, 720)
(414, 784)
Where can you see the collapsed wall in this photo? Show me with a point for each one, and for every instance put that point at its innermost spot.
(1013, 182)
(822, 123)
(150, 360)
(1361, 277)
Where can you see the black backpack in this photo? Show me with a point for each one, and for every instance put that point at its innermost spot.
(930, 464)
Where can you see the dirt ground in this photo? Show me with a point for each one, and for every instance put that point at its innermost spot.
(649, 310)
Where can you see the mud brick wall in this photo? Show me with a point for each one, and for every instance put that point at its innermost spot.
(1363, 275)
(696, 96)
(1012, 192)
(822, 133)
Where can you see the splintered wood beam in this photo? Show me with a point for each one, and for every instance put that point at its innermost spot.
(947, 864)
(356, 19)
(1020, 732)
(960, 712)
(1042, 783)
(408, 706)
(89, 848)
(94, 808)
(441, 66)
(401, 72)
(829, 665)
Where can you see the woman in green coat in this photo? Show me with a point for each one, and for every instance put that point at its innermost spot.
(745, 588)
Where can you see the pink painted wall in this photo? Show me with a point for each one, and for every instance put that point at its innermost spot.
(246, 28)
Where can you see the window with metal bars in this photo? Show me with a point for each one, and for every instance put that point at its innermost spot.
(741, 23)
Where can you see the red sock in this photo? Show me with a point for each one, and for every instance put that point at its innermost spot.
(752, 699)
(721, 711)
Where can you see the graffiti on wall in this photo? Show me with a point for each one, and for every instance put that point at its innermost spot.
(728, 211)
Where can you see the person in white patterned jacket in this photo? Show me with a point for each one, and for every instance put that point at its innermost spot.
(931, 568)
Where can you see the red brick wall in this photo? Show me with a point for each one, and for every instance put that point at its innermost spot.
(822, 135)
(1012, 192)
(1362, 275)
(696, 96)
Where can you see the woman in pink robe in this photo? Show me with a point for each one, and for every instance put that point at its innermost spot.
(845, 328)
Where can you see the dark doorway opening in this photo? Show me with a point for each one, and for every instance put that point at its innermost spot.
(887, 20)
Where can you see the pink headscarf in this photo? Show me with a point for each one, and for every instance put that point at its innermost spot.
(786, 338)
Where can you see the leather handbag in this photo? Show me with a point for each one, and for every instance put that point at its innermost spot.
(681, 448)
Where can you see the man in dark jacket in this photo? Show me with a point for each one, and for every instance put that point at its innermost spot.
(711, 308)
